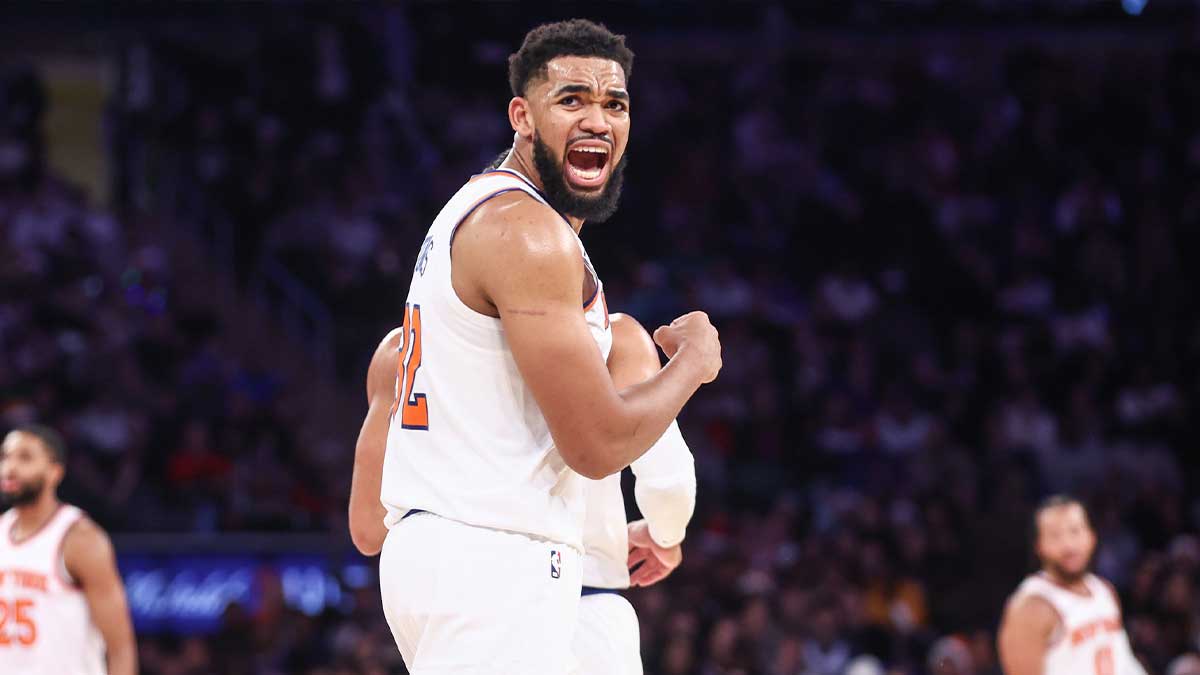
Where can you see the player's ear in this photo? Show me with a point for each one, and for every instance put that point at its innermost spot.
(57, 471)
(519, 116)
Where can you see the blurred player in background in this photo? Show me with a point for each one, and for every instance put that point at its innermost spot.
(62, 602)
(503, 399)
(607, 640)
(367, 514)
(1064, 620)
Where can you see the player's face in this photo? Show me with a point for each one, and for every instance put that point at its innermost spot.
(580, 113)
(25, 469)
(1065, 541)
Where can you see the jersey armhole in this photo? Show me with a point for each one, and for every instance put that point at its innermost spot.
(1060, 627)
(60, 558)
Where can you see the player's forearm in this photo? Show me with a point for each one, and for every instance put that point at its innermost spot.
(366, 513)
(367, 530)
(640, 416)
(122, 659)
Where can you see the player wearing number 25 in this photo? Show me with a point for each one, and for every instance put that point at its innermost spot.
(1064, 620)
(62, 603)
(503, 399)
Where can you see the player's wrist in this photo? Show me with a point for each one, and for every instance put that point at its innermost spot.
(691, 361)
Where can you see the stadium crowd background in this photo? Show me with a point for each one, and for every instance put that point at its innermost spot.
(951, 275)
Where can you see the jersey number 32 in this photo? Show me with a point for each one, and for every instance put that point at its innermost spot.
(412, 406)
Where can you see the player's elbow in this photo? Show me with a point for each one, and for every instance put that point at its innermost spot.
(366, 543)
(593, 459)
(367, 535)
(588, 465)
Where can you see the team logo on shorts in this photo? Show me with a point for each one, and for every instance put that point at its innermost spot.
(555, 564)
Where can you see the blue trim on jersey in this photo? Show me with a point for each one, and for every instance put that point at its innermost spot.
(594, 293)
(525, 179)
(592, 590)
(486, 198)
(413, 512)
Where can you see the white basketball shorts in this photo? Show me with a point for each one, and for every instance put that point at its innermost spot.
(465, 600)
(608, 638)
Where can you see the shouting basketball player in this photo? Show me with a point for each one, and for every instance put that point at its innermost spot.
(503, 399)
(1065, 620)
(62, 603)
(607, 638)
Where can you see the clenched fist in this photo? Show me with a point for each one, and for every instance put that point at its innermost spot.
(692, 336)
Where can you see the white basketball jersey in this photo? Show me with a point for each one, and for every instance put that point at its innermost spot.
(467, 440)
(605, 535)
(665, 493)
(45, 625)
(1092, 640)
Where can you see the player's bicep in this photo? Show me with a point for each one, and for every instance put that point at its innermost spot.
(1024, 635)
(538, 294)
(92, 562)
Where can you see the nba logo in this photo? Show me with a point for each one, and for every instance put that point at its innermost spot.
(555, 564)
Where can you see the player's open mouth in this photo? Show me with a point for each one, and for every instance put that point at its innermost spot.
(585, 164)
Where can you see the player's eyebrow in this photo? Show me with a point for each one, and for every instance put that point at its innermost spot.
(585, 89)
(572, 89)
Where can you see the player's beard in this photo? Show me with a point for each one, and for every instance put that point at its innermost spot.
(1065, 577)
(566, 201)
(24, 495)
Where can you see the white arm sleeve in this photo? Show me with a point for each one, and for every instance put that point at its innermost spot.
(665, 488)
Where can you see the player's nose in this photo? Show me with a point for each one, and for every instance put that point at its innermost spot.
(594, 121)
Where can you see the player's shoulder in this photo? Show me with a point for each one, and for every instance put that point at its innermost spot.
(391, 342)
(629, 332)
(381, 372)
(86, 530)
(1028, 605)
(515, 222)
(86, 539)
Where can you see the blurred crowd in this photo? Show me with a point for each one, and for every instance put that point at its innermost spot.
(950, 278)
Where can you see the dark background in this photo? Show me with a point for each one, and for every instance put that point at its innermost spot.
(947, 245)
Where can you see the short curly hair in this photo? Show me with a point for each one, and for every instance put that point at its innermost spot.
(576, 37)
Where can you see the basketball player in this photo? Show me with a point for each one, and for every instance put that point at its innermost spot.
(503, 401)
(62, 603)
(1065, 620)
(607, 639)
(367, 529)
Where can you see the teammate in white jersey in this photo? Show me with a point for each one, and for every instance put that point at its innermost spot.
(1064, 620)
(607, 639)
(503, 399)
(62, 603)
(367, 529)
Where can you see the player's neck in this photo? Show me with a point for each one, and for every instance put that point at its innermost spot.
(519, 161)
(31, 517)
(1078, 585)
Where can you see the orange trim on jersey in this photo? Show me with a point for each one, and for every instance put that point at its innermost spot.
(59, 563)
(40, 528)
(595, 296)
